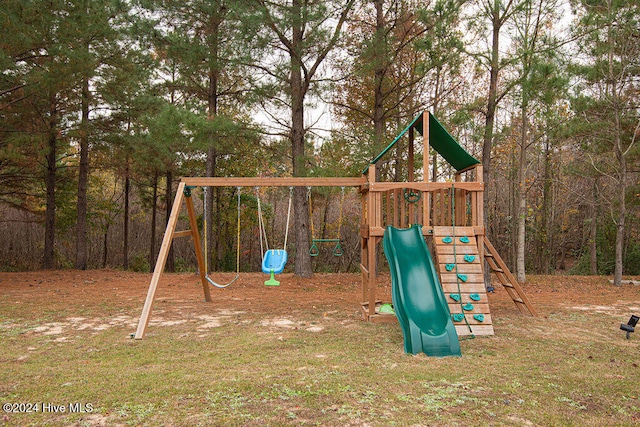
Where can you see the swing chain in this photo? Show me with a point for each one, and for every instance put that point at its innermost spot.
(262, 225)
(206, 275)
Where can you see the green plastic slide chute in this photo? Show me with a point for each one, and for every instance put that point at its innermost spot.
(418, 300)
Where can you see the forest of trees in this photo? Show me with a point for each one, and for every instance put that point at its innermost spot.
(104, 105)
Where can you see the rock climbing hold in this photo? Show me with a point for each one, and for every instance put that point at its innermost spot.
(479, 317)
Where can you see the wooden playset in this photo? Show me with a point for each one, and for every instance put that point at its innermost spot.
(450, 213)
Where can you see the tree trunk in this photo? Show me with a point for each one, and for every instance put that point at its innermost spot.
(125, 238)
(154, 216)
(210, 172)
(522, 220)
(379, 72)
(513, 213)
(48, 260)
(301, 207)
(303, 266)
(83, 174)
(105, 246)
(325, 217)
(492, 97)
(546, 244)
(298, 86)
(593, 231)
(620, 227)
(522, 195)
(220, 238)
(211, 166)
(622, 163)
(170, 265)
(622, 209)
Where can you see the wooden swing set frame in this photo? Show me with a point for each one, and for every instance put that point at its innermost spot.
(383, 204)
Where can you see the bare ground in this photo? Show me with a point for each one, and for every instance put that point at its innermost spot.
(180, 298)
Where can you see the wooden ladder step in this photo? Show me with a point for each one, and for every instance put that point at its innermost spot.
(182, 233)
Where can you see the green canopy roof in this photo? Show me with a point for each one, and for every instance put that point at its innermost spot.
(440, 140)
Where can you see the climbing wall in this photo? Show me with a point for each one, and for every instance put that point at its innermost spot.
(460, 269)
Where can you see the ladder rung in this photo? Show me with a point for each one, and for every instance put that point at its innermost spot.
(493, 265)
(182, 233)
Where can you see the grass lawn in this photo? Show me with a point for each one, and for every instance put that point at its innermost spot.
(300, 355)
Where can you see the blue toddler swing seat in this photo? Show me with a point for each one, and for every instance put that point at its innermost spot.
(273, 260)
(273, 263)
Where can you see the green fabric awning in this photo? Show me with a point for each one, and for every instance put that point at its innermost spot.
(441, 141)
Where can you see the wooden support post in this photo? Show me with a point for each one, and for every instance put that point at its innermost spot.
(411, 157)
(425, 142)
(389, 200)
(198, 248)
(396, 207)
(374, 221)
(479, 209)
(371, 262)
(459, 201)
(480, 198)
(403, 213)
(426, 209)
(160, 262)
(364, 269)
(364, 241)
(409, 213)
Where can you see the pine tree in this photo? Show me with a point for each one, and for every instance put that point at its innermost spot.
(300, 35)
(534, 22)
(384, 74)
(610, 99)
(38, 51)
(202, 62)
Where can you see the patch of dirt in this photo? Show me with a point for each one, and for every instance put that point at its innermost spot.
(118, 297)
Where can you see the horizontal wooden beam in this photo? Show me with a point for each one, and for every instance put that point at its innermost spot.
(426, 230)
(182, 233)
(425, 186)
(274, 182)
(472, 167)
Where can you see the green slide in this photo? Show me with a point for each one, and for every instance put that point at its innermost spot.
(418, 300)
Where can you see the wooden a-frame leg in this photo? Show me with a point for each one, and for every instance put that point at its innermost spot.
(160, 262)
